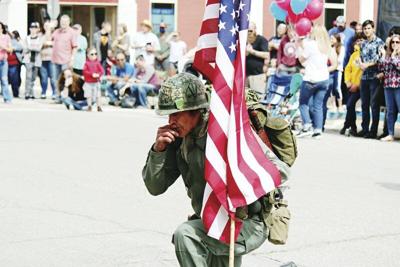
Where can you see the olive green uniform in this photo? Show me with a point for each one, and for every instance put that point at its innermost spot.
(185, 157)
(192, 245)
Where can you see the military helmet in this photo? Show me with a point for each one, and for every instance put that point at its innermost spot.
(181, 92)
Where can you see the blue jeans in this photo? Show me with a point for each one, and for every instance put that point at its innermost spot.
(14, 78)
(140, 91)
(351, 109)
(46, 72)
(317, 92)
(4, 81)
(113, 91)
(392, 97)
(57, 69)
(369, 99)
(77, 105)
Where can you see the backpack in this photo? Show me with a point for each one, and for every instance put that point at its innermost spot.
(274, 132)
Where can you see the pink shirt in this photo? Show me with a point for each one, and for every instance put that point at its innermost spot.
(64, 41)
(5, 41)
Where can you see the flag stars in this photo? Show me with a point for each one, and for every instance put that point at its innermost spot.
(241, 5)
(221, 25)
(233, 14)
(222, 9)
(232, 47)
(233, 30)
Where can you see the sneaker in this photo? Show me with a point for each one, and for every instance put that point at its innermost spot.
(383, 136)
(304, 133)
(316, 135)
(43, 96)
(99, 109)
(388, 138)
(89, 109)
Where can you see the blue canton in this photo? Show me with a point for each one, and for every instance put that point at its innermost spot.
(369, 54)
(233, 17)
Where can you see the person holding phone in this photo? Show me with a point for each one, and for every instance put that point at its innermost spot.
(146, 43)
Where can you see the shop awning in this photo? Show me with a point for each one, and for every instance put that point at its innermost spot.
(80, 2)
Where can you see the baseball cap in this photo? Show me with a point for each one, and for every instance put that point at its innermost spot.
(163, 25)
(340, 20)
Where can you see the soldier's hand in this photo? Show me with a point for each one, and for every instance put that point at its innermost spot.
(165, 136)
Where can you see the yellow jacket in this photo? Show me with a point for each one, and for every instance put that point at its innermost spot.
(353, 72)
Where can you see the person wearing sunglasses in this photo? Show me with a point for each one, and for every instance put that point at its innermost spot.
(92, 72)
(122, 76)
(390, 67)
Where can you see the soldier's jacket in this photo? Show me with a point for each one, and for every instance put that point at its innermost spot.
(186, 157)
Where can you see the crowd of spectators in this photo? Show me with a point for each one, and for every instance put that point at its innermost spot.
(339, 67)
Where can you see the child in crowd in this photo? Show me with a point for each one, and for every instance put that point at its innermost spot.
(92, 72)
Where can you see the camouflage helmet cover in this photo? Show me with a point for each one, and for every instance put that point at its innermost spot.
(181, 92)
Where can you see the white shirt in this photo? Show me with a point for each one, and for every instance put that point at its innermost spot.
(316, 63)
(141, 39)
(177, 50)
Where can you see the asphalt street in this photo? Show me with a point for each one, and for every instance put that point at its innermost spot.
(71, 194)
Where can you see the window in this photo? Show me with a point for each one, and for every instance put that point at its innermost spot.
(333, 9)
(163, 12)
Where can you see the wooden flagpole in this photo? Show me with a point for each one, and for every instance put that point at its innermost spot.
(232, 242)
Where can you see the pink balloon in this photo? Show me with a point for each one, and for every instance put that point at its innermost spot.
(284, 4)
(303, 26)
(314, 9)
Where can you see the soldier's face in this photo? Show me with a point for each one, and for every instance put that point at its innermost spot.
(184, 122)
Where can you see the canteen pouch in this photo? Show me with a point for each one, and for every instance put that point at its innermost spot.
(277, 222)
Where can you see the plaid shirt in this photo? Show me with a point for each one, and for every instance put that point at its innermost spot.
(390, 66)
(370, 54)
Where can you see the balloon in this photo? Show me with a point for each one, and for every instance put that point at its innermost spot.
(314, 9)
(303, 26)
(298, 6)
(284, 4)
(277, 12)
(292, 17)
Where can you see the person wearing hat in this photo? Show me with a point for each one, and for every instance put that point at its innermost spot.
(32, 58)
(179, 151)
(146, 42)
(161, 62)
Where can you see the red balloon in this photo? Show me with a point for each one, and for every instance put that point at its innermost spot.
(294, 18)
(314, 9)
(303, 26)
(284, 4)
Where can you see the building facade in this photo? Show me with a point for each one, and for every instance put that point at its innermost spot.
(184, 16)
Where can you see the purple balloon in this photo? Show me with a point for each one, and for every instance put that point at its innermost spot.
(303, 26)
(314, 9)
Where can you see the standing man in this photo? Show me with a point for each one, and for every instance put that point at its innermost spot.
(369, 82)
(179, 151)
(64, 48)
(161, 60)
(102, 42)
(80, 56)
(256, 54)
(146, 42)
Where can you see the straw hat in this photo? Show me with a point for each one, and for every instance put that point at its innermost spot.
(147, 23)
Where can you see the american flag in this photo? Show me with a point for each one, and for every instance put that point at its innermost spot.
(237, 171)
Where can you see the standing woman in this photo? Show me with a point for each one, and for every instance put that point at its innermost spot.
(47, 69)
(314, 53)
(80, 56)
(5, 47)
(122, 43)
(14, 63)
(390, 66)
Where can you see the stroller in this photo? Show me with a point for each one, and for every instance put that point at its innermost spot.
(282, 96)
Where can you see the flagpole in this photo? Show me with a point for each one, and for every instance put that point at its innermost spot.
(232, 242)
